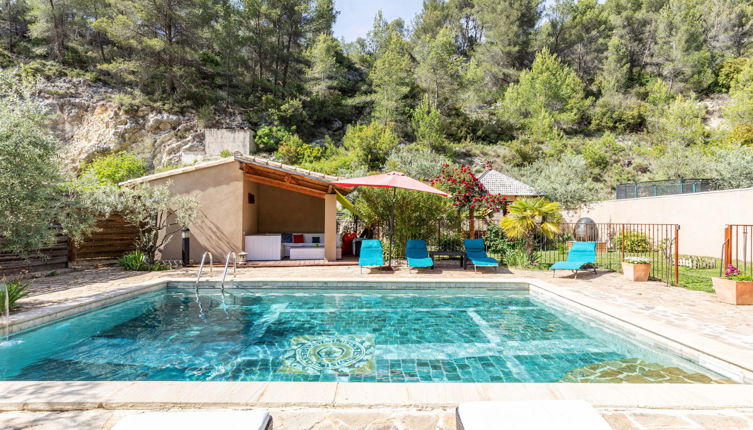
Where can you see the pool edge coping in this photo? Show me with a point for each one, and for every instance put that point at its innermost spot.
(57, 395)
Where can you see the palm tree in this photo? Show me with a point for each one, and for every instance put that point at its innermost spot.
(529, 217)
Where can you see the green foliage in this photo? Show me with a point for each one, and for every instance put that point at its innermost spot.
(619, 113)
(225, 153)
(157, 213)
(635, 242)
(371, 143)
(325, 74)
(565, 180)
(511, 252)
(548, 97)
(528, 218)
(115, 168)
(16, 291)
(731, 167)
(416, 161)
(427, 126)
(138, 261)
(392, 77)
(34, 194)
(292, 150)
(268, 138)
(417, 214)
(675, 119)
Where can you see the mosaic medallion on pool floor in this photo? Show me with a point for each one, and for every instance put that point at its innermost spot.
(342, 353)
(637, 371)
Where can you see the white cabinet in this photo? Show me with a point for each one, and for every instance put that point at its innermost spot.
(307, 253)
(264, 247)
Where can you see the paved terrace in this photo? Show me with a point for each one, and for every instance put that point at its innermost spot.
(724, 329)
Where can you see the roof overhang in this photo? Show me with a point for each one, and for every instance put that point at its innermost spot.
(291, 178)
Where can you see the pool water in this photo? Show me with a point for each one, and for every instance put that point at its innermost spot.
(469, 335)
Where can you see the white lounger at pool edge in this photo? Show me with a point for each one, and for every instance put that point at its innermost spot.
(196, 420)
(530, 415)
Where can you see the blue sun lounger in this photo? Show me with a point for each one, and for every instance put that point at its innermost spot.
(475, 252)
(581, 254)
(371, 254)
(417, 254)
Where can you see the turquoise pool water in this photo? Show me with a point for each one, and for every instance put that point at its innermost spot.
(469, 335)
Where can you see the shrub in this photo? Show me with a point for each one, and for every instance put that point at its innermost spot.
(618, 112)
(293, 151)
(741, 133)
(115, 168)
(634, 242)
(137, 260)
(450, 242)
(16, 291)
(268, 138)
(416, 161)
(637, 260)
(371, 143)
(225, 153)
(733, 273)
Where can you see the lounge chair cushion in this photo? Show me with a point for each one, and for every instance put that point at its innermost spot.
(196, 420)
(482, 260)
(475, 251)
(530, 415)
(417, 254)
(371, 253)
(580, 254)
(569, 265)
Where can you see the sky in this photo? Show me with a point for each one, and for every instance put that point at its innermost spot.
(357, 16)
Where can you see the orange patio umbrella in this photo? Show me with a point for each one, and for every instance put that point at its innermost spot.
(392, 180)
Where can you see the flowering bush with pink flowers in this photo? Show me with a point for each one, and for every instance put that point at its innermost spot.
(468, 193)
(733, 273)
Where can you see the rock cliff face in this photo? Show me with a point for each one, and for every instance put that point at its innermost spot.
(89, 123)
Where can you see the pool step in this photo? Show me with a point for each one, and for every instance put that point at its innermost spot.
(530, 415)
(196, 420)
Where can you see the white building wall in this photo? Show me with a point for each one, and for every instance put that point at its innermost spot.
(217, 140)
(702, 216)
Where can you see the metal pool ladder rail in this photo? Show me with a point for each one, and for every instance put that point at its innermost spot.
(201, 266)
(224, 273)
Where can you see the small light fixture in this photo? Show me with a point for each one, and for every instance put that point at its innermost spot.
(185, 253)
(242, 256)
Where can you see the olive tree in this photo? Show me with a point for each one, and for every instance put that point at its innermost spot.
(36, 201)
(157, 213)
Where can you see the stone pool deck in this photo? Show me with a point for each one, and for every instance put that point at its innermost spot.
(689, 316)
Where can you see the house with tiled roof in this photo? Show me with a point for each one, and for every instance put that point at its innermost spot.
(499, 184)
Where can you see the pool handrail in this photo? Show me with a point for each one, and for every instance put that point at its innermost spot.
(224, 273)
(201, 266)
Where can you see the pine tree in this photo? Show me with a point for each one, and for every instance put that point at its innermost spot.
(393, 79)
(440, 69)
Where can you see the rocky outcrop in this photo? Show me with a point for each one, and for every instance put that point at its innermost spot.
(89, 122)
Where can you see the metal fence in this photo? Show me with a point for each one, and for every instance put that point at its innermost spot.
(737, 248)
(662, 188)
(614, 242)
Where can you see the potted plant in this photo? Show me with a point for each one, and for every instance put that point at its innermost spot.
(636, 268)
(735, 287)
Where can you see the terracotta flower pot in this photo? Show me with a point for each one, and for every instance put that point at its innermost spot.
(733, 292)
(636, 272)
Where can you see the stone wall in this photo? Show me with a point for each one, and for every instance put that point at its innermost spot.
(91, 119)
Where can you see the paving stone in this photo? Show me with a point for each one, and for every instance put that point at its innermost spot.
(620, 422)
(721, 422)
(661, 421)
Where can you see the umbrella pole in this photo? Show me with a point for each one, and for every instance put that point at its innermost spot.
(392, 226)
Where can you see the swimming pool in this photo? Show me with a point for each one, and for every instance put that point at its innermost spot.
(345, 335)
